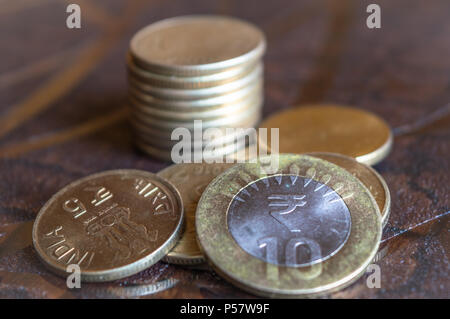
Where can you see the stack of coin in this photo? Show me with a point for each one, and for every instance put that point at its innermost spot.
(191, 68)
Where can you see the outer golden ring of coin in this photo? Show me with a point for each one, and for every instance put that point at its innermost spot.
(259, 277)
(198, 69)
(386, 209)
(195, 94)
(123, 271)
(188, 82)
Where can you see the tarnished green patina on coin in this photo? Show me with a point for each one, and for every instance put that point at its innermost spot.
(306, 228)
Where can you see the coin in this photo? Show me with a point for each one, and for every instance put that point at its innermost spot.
(190, 179)
(239, 136)
(208, 155)
(191, 45)
(193, 94)
(112, 224)
(331, 128)
(206, 113)
(188, 82)
(180, 71)
(304, 229)
(188, 105)
(223, 135)
(368, 176)
(250, 112)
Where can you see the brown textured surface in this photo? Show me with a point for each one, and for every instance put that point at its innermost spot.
(62, 117)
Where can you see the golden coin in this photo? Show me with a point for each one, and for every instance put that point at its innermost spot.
(190, 179)
(189, 82)
(334, 129)
(306, 227)
(192, 45)
(368, 176)
(112, 224)
(195, 94)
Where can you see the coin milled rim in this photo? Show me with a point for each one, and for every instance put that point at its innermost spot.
(183, 259)
(248, 272)
(122, 271)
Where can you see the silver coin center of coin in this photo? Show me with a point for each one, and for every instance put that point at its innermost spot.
(289, 220)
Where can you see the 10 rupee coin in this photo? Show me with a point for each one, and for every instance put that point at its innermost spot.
(305, 229)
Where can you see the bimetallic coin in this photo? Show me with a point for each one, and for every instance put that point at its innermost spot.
(300, 227)
(190, 179)
(195, 94)
(368, 176)
(334, 129)
(191, 45)
(189, 82)
(111, 224)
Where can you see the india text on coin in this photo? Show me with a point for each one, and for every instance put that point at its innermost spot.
(112, 224)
